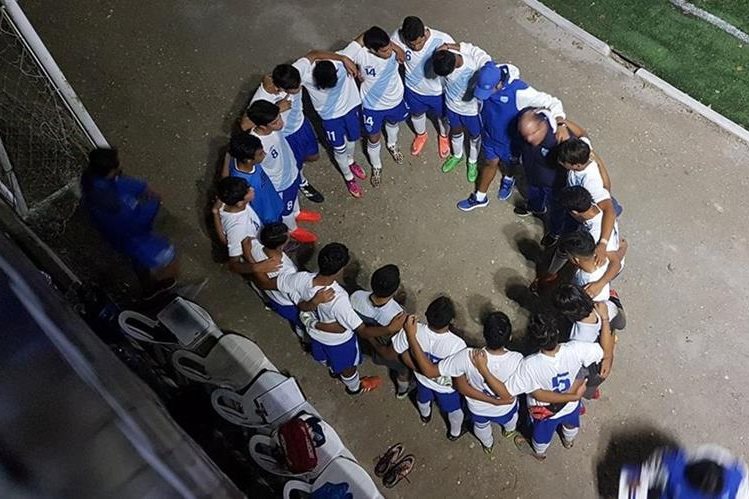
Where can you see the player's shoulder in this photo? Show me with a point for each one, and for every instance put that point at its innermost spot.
(445, 37)
(359, 299)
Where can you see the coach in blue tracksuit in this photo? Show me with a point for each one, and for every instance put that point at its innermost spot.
(504, 95)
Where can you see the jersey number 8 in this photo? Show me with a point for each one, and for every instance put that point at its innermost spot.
(273, 153)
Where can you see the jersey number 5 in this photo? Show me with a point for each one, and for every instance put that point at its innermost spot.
(561, 383)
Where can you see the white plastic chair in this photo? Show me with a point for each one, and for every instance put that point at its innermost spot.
(269, 400)
(339, 472)
(233, 362)
(263, 448)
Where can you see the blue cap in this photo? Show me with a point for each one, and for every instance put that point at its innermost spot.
(490, 75)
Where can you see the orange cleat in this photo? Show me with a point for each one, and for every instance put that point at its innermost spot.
(369, 383)
(443, 144)
(303, 236)
(418, 144)
(308, 216)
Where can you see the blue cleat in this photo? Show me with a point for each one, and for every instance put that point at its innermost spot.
(472, 203)
(505, 190)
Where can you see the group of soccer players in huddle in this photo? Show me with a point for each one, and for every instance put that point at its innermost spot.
(472, 100)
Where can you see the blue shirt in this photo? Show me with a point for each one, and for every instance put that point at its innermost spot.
(499, 115)
(539, 162)
(677, 486)
(267, 203)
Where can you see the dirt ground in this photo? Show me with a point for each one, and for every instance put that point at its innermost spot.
(164, 80)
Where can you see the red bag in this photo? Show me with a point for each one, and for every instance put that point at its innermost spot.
(297, 444)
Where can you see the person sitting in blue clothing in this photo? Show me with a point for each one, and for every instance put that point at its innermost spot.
(123, 210)
(244, 161)
(504, 95)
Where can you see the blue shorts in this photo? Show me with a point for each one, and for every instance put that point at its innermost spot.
(494, 150)
(470, 124)
(447, 402)
(373, 120)
(420, 104)
(303, 142)
(338, 358)
(500, 420)
(543, 430)
(150, 251)
(288, 312)
(289, 195)
(346, 127)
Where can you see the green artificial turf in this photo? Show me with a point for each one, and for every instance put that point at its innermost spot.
(691, 54)
(735, 12)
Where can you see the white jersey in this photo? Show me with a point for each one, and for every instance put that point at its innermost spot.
(589, 331)
(582, 278)
(501, 366)
(593, 227)
(459, 84)
(293, 117)
(371, 314)
(436, 346)
(381, 86)
(279, 163)
(287, 267)
(238, 227)
(338, 310)
(556, 373)
(330, 103)
(590, 178)
(420, 76)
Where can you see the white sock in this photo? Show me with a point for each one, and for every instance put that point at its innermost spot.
(539, 448)
(353, 384)
(443, 126)
(391, 133)
(402, 385)
(474, 145)
(570, 433)
(304, 180)
(341, 159)
(557, 262)
(484, 434)
(350, 148)
(374, 153)
(457, 143)
(425, 408)
(419, 122)
(480, 196)
(456, 421)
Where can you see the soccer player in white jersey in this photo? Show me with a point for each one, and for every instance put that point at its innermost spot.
(272, 238)
(335, 96)
(339, 351)
(237, 225)
(579, 247)
(284, 88)
(378, 308)
(423, 92)
(548, 377)
(583, 169)
(381, 93)
(282, 167)
(437, 342)
(459, 64)
(591, 322)
(485, 406)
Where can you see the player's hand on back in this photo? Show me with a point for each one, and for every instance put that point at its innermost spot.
(562, 134)
(217, 205)
(323, 295)
(271, 264)
(606, 365)
(410, 325)
(397, 323)
(284, 105)
(478, 357)
(599, 256)
(351, 68)
(594, 288)
(449, 46)
(580, 390)
(603, 310)
(400, 55)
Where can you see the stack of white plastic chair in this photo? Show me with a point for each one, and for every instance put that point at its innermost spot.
(268, 401)
(233, 362)
(264, 449)
(340, 477)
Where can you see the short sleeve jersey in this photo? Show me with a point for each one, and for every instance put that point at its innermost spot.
(593, 227)
(582, 278)
(459, 84)
(501, 366)
(293, 118)
(238, 227)
(287, 267)
(420, 76)
(381, 86)
(436, 346)
(330, 103)
(374, 315)
(556, 373)
(279, 163)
